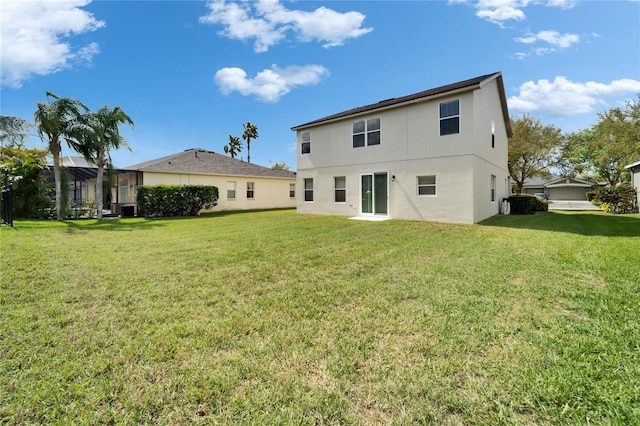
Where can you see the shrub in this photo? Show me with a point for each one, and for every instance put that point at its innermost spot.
(591, 195)
(618, 199)
(540, 204)
(522, 203)
(175, 200)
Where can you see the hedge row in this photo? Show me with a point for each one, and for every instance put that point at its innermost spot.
(175, 200)
(525, 203)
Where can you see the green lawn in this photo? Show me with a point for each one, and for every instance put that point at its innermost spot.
(279, 318)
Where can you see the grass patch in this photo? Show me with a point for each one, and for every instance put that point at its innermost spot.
(280, 318)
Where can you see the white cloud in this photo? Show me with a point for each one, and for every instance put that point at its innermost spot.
(268, 21)
(562, 97)
(554, 39)
(501, 11)
(270, 84)
(34, 37)
(562, 4)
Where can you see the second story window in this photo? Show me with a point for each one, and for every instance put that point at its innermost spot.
(493, 134)
(450, 117)
(366, 132)
(305, 142)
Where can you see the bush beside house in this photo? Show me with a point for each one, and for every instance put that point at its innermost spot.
(618, 199)
(525, 204)
(175, 200)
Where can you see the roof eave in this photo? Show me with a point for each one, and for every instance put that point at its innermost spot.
(215, 174)
(387, 107)
(503, 101)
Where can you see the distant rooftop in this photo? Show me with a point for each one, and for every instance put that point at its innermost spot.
(202, 161)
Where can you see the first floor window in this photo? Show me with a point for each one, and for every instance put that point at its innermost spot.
(340, 189)
(292, 190)
(366, 132)
(231, 190)
(249, 190)
(308, 189)
(493, 188)
(427, 185)
(450, 117)
(305, 142)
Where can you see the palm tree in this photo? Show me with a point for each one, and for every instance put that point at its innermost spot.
(95, 144)
(234, 146)
(52, 119)
(14, 130)
(250, 132)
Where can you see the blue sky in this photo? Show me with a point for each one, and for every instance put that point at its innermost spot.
(189, 73)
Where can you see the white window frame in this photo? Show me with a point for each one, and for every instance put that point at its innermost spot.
(308, 189)
(305, 141)
(231, 190)
(367, 131)
(493, 188)
(292, 190)
(493, 134)
(448, 117)
(251, 190)
(342, 189)
(433, 185)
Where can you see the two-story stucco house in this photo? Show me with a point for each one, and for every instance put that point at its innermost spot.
(437, 155)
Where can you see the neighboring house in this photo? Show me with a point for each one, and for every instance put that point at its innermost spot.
(559, 188)
(241, 185)
(634, 168)
(437, 155)
(80, 171)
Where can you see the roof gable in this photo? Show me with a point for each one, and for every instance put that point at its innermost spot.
(201, 161)
(465, 85)
(555, 180)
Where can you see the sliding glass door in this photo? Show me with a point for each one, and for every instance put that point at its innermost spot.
(374, 194)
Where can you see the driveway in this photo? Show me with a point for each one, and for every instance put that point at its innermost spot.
(571, 205)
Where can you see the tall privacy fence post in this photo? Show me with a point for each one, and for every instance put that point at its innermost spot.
(6, 208)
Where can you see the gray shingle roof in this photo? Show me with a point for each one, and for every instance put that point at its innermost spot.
(387, 103)
(201, 161)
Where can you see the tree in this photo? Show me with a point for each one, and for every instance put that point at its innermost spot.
(531, 148)
(574, 155)
(616, 142)
(13, 130)
(233, 147)
(21, 167)
(95, 135)
(279, 165)
(52, 120)
(250, 132)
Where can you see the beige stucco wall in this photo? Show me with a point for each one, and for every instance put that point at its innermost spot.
(269, 193)
(410, 147)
